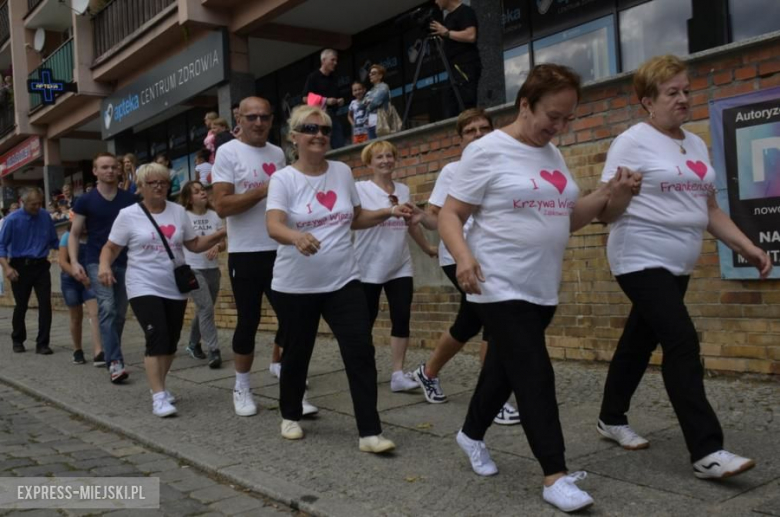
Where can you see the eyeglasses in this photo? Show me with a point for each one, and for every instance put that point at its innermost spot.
(157, 183)
(264, 117)
(313, 129)
(393, 199)
(481, 129)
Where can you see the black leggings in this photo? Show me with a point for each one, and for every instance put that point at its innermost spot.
(399, 292)
(659, 315)
(517, 361)
(250, 276)
(161, 320)
(346, 313)
(467, 322)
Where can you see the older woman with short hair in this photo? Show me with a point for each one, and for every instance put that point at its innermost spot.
(312, 205)
(654, 243)
(151, 288)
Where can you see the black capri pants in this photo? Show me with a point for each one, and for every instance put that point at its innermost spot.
(399, 292)
(467, 322)
(161, 320)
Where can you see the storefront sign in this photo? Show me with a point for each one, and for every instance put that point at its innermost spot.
(515, 22)
(21, 155)
(746, 150)
(199, 67)
(48, 87)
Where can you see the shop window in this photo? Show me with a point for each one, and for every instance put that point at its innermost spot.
(652, 29)
(589, 49)
(517, 64)
(751, 18)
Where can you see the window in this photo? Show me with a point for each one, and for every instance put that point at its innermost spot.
(652, 29)
(517, 64)
(751, 18)
(589, 49)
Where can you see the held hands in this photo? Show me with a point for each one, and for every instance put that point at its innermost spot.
(469, 274)
(106, 276)
(626, 182)
(307, 244)
(402, 211)
(759, 259)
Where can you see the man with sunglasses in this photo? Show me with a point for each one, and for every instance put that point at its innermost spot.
(242, 169)
(324, 82)
(97, 209)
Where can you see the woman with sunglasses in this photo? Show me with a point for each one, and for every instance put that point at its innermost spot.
(383, 254)
(151, 288)
(312, 205)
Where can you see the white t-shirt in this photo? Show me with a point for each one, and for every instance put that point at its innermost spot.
(383, 250)
(205, 224)
(204, 173)
(247, 167)
(525, 196)
(149, 268)
(323, 206)
(664, 225)
(438, 197)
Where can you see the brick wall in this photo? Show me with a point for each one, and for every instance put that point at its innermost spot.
(737, 320)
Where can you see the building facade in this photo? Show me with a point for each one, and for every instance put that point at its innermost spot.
(138, 76)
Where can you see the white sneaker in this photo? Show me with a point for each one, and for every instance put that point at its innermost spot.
(244, 403)
(623, 435)
(376, 444)
(720, 465)
(275, 369)
(163, 408)
(478, 455)
(507, 416)
(565, 495)
(401, 381)
(308, 407)
(168, 396)
(291, 430)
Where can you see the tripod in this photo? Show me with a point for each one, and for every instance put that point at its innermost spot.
(420, 58)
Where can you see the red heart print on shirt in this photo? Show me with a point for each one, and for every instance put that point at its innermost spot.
(698, 167)
(556, 179)
(327, 199)
(269, 168)
(168, 230)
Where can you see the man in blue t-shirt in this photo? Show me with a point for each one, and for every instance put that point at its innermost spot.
(97, 210)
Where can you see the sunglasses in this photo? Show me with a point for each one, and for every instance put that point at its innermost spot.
(157, 183)
(313, 129)
(253, 117)
(393, 199)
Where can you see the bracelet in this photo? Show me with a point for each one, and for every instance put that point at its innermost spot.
(447, 34)
(392, 210)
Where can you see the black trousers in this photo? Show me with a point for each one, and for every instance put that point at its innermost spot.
(467, 323)
(250, 276)
(399, 292)
(161, 320)
(466, 79)
(346, 312)
(517, 361)
(33, 275)
(659, 315)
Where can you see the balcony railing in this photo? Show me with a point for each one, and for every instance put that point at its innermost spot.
(32, 4)
(121, 18)
(7, 116)
(61, 64)
(5, 26)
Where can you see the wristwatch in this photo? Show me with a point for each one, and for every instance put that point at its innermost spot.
(447, 34)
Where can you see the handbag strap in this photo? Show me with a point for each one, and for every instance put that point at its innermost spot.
(159, 231)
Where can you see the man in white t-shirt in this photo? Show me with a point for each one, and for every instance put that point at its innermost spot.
(240, 175)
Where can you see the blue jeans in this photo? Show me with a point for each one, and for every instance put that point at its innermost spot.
(112, 308)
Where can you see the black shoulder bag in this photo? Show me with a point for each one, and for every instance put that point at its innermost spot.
(185, 278)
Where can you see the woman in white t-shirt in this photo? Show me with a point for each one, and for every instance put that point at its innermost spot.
(312, 205)
(383, 254)
(654, 243)
(515, 184)
(151, 288)
(205, 266)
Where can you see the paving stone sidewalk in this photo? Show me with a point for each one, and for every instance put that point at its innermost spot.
(325, 474)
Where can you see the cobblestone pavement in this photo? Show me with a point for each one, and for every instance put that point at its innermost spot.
(38, 440)
(325, 474)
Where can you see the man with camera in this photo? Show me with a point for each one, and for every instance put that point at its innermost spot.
(459, 33)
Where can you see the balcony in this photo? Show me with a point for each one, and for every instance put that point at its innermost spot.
(5, 26)
(7, 115)
(61, 64)
(121, 18)
(32, 4)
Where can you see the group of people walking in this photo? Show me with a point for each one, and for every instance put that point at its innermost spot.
(504, 213)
